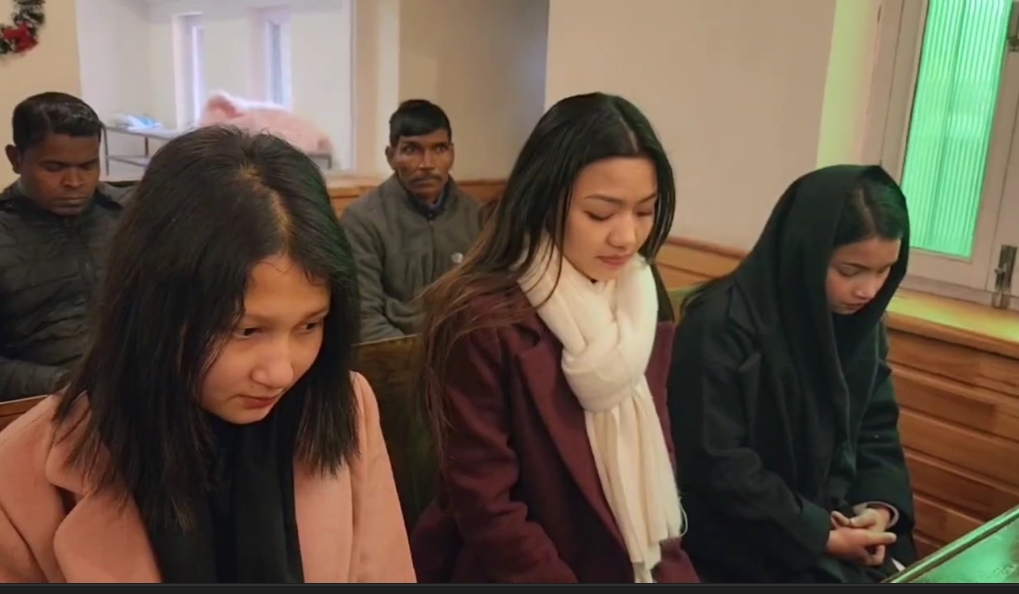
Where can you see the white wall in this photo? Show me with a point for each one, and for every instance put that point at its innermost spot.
(484, 62)
(353, 61)
(320, 46)
(735, 88)
(128, 60)
(746, 94)
(50, 66)
(114, 80)
(851, 71)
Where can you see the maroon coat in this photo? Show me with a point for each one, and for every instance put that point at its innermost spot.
(519, 498)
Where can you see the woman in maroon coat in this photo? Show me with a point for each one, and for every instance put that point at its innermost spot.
(545, 369)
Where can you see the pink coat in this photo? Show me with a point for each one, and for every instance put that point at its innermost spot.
(350, 526)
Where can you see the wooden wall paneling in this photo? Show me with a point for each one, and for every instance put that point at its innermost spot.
(344, 190)
(924, 545)
(977, 452)
(935, 518)
(13, 409)
(970, 493)
(961, 363)
(977, 408)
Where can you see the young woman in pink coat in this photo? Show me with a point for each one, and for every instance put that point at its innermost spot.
(213, 432)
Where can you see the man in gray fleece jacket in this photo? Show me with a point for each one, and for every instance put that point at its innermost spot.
(413, 228)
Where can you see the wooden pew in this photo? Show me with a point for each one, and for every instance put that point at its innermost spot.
(389, 367)
(343, 190)
(15, 408)
(676, 296)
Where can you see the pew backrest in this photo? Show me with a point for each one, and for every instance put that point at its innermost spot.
(11, 410)
(389, 367)
(676, 297)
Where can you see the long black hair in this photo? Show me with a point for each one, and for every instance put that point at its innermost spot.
(574, 133)
(211, 205)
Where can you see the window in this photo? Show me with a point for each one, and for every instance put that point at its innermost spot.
(943, 110)
(275, 29)
(950, 126)
(191, 90)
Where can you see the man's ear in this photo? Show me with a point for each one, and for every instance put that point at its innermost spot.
(14, 158)
(452, 155)
(390, 153)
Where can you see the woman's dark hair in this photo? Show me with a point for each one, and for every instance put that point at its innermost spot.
(874, 209)
(573, 134)
(212, 204)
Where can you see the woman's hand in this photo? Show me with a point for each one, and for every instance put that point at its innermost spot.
(873, 518)
(862, 539)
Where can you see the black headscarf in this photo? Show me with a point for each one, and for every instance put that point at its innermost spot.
(245, 526)
(783, 279)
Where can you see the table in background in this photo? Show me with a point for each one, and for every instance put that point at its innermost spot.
(164, 135)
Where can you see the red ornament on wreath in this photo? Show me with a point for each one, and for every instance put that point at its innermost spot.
(22, 34)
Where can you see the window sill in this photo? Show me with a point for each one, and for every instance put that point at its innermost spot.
(685, 261)
(959, 322)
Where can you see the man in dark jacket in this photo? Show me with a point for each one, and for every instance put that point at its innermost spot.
(55, 221)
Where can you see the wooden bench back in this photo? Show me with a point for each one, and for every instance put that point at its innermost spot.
(388, 365)
(15, 408)
(676, 296)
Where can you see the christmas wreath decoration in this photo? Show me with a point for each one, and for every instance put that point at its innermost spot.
(22, 34)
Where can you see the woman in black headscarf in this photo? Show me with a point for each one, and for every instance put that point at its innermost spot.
(781, 400)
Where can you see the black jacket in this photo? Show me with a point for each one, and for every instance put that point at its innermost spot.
(782, 412)
(49, 271)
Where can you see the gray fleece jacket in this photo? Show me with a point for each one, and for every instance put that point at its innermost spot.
(401, 246)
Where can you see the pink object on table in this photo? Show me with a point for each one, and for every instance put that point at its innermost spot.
(254, 116)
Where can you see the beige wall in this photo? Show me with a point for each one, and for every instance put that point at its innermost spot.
(847, 88)
(483, 61)
(745, 94)
(50, 66)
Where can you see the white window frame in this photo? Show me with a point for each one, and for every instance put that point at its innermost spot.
(191, 87)
(276, 58)
(900, 38)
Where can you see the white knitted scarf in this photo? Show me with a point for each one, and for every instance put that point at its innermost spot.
(608, 330)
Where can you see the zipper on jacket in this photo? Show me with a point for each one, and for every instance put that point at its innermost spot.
(83, 257)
